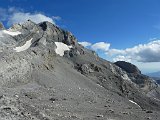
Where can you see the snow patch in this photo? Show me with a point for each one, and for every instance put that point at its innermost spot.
(61, 48)
(11, 33)
(24, 47)
(134, 103)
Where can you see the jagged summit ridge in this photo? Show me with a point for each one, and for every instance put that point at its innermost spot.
(44, 33)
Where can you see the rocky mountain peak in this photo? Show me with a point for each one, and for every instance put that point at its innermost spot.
(59, 35)
(128, 67)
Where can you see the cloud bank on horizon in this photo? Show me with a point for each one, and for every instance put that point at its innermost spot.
(148, 52)
(14, 15)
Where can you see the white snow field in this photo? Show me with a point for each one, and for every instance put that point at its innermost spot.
(134, 103)
(11, 33)
(24, 47)
(61, 47)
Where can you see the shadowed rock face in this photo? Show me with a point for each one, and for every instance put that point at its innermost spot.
(128, 67)
(144, 82)
(1, 26)
(37, 83)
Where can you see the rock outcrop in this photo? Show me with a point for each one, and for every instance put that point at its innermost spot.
(1, 26)
(144, 82)
(128, 67)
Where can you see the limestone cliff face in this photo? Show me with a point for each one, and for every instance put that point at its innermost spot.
(144, 82)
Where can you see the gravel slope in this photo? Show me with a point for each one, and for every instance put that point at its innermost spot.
(38, 84)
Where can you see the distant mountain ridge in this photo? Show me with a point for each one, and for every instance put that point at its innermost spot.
(154, 74)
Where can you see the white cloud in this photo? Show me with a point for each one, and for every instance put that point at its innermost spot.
(115, 52)
(103, 46)
(122, 58)
(142, 53)
(16, 15)
(148, 67)
(21, 17)
(85, 44)
(100, 46)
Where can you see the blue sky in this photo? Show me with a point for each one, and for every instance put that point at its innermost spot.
(119, 24)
